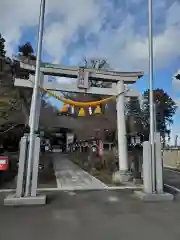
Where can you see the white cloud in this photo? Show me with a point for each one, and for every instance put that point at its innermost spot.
(64, 80)
(16, 14)
(71, 16)
(176, 85)
(125, 47)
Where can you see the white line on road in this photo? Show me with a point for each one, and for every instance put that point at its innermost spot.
(7, 190)
(172, 187)
(79, 189)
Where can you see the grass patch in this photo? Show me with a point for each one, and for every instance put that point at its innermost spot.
(104, 174)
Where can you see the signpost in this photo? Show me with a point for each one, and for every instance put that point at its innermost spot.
(4, 163)
(83, 79)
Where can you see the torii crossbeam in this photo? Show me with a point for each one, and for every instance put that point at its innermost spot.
(72, 72)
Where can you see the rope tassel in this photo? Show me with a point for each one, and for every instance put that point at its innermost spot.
(72, 110)
(64, 108)
(81, 112)
(98, 110)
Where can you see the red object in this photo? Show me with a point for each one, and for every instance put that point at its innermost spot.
(4, 163)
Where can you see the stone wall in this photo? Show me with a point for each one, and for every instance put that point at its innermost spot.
(171, 157)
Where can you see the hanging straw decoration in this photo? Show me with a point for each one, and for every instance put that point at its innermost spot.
(72, 110)
(81, 112)
(78, 104)
(90, 110)
(64, 108)
(98, 110)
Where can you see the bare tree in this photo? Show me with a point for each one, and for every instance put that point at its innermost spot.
(99, 64)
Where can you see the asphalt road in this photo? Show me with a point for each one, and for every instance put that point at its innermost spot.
(172, 178)
(91, 215)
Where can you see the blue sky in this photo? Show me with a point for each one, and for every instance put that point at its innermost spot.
(110, 29)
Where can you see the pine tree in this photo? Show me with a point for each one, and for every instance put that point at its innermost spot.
(165, 109)
(26, 49)
(134, 116)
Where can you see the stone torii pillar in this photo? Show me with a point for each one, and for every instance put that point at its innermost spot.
(38, 108)
(123, 174)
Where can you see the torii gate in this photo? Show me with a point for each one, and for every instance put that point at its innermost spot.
(118, 79)
(118, 88)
